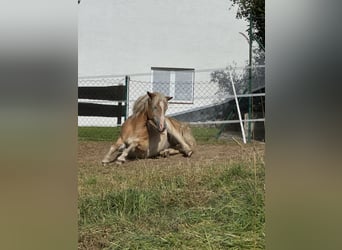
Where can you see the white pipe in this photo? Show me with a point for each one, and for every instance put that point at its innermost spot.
(238, 109)
(251, 95)
(226, 121)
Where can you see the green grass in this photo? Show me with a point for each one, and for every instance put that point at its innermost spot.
(98, 133)
(212, 206)
(202, 135)
(205, 135)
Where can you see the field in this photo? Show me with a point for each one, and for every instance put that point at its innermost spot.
(213, 200)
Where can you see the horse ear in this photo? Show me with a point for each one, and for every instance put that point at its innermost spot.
(168, 97)
(151, 95)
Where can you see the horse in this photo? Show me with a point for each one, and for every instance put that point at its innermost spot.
(148, 132)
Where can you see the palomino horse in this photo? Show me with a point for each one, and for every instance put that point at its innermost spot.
(148, 132)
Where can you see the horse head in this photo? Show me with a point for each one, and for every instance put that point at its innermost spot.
(157, 106)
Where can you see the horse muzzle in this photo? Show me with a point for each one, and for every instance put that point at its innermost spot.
(158, 125)
(161, 127)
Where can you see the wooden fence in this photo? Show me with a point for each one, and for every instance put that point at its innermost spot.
(117, 95)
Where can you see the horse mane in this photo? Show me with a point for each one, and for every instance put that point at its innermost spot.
(140, 105)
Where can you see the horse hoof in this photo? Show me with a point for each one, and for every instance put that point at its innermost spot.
(189, 154)
(105, 163)
(118, 162)
(165, 154)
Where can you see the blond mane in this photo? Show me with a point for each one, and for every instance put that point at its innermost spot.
(141, 104)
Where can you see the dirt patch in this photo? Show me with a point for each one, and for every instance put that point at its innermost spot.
(90, 152)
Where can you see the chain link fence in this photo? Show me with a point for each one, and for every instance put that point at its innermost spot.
(204, 98)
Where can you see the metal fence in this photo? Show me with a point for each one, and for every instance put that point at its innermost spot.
(200, 97)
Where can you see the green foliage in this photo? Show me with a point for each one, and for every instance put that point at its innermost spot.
(256, 8)
(240, 77)
(222, 78)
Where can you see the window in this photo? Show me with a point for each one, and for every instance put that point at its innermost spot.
(175, 82)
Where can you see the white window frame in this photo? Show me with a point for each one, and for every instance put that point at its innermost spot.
(172, 82)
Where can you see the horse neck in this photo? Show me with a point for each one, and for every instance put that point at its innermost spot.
(141, 117)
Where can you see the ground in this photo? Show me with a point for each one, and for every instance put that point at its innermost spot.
(92, 152)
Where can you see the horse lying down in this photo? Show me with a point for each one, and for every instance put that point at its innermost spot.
(149, 133)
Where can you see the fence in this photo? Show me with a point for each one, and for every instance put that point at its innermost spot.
(200, 97)
(102, 101)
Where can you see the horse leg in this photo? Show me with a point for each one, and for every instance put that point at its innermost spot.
(122, 158)
(185, 147)
(169, 151)
(110, 156)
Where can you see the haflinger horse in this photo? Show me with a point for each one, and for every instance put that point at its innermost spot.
(148, 132)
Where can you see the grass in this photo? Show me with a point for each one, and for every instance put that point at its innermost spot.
(202, 135)
(188, 205)
(98, 133)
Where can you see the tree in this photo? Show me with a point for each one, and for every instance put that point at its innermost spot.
(255, 9)
(240, 76)
(222, 78)
(246, 9)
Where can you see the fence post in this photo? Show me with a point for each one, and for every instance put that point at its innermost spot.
(127, 80)
(120, 113)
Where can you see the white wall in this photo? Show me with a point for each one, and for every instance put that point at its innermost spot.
(130, 36)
